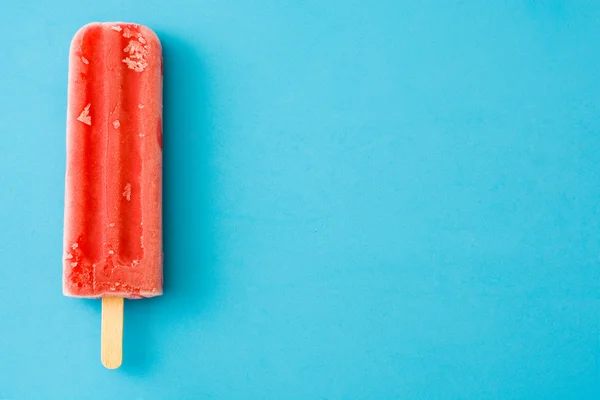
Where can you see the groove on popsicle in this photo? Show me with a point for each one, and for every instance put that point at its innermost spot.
(125, 209)
(94, 149)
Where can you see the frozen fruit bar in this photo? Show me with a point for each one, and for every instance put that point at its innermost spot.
(113, 226)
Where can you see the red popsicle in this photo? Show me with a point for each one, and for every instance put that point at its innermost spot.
(113, 224)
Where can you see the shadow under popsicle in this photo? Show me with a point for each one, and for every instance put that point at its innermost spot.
(189, 274)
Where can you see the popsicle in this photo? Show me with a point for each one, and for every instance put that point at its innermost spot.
(113, 225)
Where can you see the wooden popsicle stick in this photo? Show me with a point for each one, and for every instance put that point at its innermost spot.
(112, 332)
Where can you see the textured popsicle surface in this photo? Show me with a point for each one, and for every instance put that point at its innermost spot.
(113, 226)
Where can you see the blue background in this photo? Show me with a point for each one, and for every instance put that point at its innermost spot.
(363, 200)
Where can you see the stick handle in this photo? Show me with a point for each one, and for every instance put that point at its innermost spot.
(112, 332)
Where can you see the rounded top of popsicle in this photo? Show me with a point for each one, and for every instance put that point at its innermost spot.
(127, 29)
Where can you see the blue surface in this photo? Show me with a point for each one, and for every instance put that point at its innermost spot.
(397, 200)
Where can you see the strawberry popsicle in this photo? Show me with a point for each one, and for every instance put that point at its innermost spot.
(113, 225)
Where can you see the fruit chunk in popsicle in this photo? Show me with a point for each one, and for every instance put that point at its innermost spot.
(113, 225)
